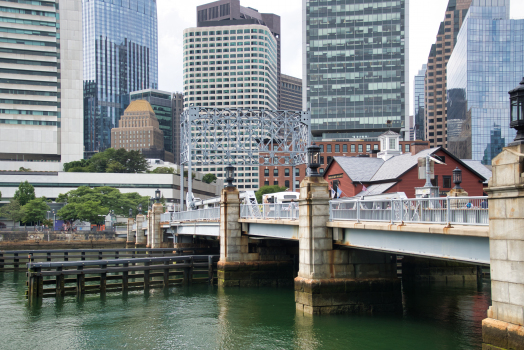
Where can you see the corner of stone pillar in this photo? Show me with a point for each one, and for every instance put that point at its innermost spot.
(139, 235)
(130, 234)
(155, 233)
(503, 328)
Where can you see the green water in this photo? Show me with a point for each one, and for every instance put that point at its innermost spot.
(205, 317)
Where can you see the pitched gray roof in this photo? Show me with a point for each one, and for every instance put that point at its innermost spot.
(359, 168)
(376, 189)
(478, 167)
(389, 132)
(396, 166)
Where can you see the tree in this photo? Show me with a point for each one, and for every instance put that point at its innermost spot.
(110, 161)
(163, 170)
(25, 193)
(268, 189)
(12, 211)
(209, 178)
(35, 210)
(23, 169)
(192, 174)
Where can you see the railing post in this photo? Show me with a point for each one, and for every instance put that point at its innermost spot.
(146, 275)
(15, 261)
(358, 210)
(401, 208)
(391, 204)
(59, 282)
(448, 211)
(103, 279)
(166, 273)
(80, 281)
(66, 256)
(82, 256)
(2, 266)
(125, 277)
(48, 256)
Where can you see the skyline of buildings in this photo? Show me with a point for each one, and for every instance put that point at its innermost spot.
(488, 61)
(120, 56)
(355, 67)
(435, 84)
(41, 123)
(290, 93)
(418, 103)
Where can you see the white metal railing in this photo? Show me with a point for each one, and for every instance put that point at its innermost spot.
(134, 227)
(287, 211)
(444, 210)
(207, 214)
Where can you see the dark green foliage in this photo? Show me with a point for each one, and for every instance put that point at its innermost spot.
(163, 170)
(12, 211)
(25, 193)
(268, 189)
(35, 210)
(209, 178)
(110, 161)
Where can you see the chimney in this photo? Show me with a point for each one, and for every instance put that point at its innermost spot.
(417, 147)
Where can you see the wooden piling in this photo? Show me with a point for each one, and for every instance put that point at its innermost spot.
(210, 269)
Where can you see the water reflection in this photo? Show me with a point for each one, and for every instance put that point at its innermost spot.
(202, 316)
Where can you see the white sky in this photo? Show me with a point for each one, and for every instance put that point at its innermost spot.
(424, 19)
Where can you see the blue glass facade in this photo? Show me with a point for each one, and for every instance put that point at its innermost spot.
(355, 74)
(120, 56)
(418, 103)
(487, 62)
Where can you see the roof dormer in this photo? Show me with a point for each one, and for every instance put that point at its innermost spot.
(389, 145)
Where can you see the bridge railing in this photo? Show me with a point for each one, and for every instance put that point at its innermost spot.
(207, 214)
(286, 211)
(448, 210)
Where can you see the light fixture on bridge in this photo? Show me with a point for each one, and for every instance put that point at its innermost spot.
(140, 208)
(130, 212)
(457, 178)
(157, 195)
(516, 98)
(230, 175)
(313, 159)
(151, 201)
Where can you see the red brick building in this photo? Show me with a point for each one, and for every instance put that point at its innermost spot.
(283, 176)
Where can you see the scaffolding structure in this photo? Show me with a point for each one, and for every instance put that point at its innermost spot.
(211, 136)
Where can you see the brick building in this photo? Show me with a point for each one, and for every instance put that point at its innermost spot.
(283, 176)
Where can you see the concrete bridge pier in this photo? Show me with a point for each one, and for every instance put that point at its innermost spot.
(140, 237)
(131, 236)
(155, 235)
(338, 281)
(238, 266)
(504, 327)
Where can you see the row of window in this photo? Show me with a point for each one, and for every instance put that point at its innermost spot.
(28, 122)
(17, 111)
(230, 31)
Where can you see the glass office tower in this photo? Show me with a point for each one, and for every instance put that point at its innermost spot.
(120, 56)
(418, 103)
(487, 62)
(355, 72)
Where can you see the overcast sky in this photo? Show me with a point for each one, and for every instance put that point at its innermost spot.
(173, 17)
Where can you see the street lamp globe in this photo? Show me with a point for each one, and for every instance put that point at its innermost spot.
(457, 178)
(516, 98)
(313, 159)
(157, 195)
(230, 175)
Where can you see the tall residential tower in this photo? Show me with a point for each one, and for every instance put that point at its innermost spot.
(40, 84)
(355, 72)
(418, 104)
(120, 56)
(436, 126)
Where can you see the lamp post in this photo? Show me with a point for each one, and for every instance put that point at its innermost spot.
(157, 196)
(230, 175)
(457, 178)
(516, 98)
(130, 213)
(54, 219)
(140, 209)
(313, 160)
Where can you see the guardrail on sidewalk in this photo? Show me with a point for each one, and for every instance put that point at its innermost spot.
(448, 210)
(286, 211)
(207, 214)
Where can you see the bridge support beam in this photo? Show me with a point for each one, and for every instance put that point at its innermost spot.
(504, 327)
(140, 237)
(131, 236)
(238, 266)
(338, 281)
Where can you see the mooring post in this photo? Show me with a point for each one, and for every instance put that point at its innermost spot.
(59, 282)
(166, 273)
(83, 256)
(2, 266)
(48, 256)
(191, 270)
(125, 277)
(100, 255)
(210, 269)
(146, 275)
(30, 257)
(103, 279)
(80, 280)
(15, 261)
(185, 279)
(66, 256)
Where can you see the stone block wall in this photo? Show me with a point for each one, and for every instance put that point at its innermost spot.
(416, 269)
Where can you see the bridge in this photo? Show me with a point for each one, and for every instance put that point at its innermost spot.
(345, 250)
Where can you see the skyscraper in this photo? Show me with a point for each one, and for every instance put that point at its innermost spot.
(290, 93)
(355, 72)
(435, 124)
(488, 61)
(40, 84)
(418, 104)
(120, 56)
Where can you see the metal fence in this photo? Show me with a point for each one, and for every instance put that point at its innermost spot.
(448, 210)
(288, 211)
(207, 214)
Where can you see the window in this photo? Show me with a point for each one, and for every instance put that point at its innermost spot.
(446, 181)
(434, 182)
(344, 148)
(329, 148)
(297, 172)
(266, 183)
(406, 148)
(360, 148)
(375, 147)
(337, 148)
(321, 171)
(321, 148)
(266, 172)
(329, 159)
(275, 172)
(275, 182)
(368, 148)
(286, 183)
(352, 148)
(321, 159)
(392, 143)
(286, 172)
